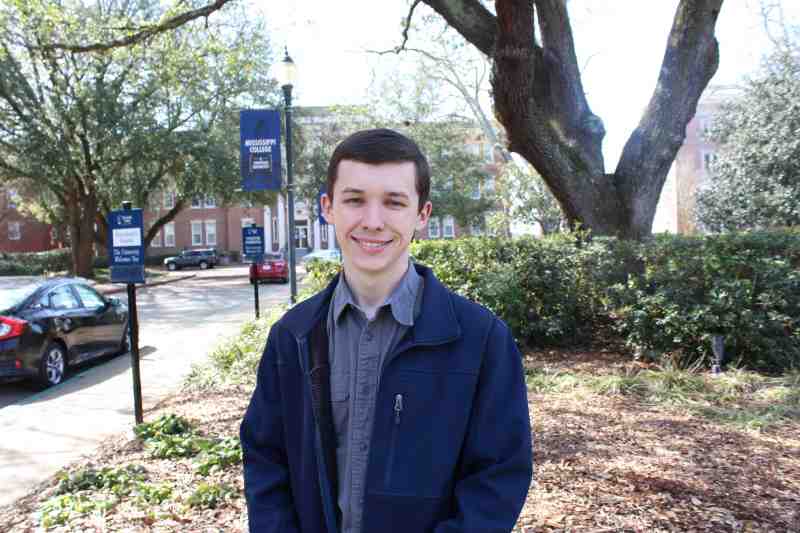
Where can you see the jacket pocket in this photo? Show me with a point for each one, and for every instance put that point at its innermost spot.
(397, 418)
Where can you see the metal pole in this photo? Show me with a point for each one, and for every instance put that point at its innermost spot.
(255, 293)
(287, 94)
(133, 331)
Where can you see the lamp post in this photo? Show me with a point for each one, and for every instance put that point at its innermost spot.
(287, 78)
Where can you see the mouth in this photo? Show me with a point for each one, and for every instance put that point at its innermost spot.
(372, 245)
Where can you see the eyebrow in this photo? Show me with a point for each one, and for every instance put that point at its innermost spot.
(393, 194)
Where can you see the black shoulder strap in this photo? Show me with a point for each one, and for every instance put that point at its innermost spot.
(321, 402)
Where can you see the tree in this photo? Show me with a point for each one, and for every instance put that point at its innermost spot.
(539, 99)
(92, 129)
(460, 72)
(755, 179)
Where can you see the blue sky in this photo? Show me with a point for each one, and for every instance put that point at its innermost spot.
(619, 42)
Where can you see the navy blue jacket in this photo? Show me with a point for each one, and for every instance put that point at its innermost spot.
(456, 456)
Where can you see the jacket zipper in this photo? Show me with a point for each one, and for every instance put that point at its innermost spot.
(398, 410)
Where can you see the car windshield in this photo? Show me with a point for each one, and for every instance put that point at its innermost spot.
(12, 297)
(273, 257)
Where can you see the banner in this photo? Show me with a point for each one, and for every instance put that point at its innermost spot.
(260, 149)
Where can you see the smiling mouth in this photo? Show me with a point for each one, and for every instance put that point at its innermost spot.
(372, 244)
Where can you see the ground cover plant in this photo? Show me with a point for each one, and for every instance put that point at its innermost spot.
(619, 445)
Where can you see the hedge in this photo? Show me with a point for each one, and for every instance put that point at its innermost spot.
(665, 297)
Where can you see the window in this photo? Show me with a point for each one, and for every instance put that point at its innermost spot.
(156, 242)
(476, 228)
(14, 231)
(247, 222)
(275, 237)
(708, 159)
(197, 233)
(475, 194)
(211, 232)
(89, 297)
(197, 202)
(210, 201)
(169, 234)
(449, 228)
(169, 200)
(433, 228)
(488, 185)
(62, 298)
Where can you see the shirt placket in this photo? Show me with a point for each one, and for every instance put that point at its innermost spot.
(365, 379)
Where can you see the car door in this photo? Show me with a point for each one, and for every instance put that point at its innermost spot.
(106, 328)
(69, 322)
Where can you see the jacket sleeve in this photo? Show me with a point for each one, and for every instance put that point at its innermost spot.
(496, 464)
(266, 471)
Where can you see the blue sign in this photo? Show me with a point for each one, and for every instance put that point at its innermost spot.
(322, 191)
(260, 149)
(126, 246)
(253, 243)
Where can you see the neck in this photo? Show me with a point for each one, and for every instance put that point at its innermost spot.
(370, 291)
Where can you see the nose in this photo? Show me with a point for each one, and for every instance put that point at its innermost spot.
(373, 217)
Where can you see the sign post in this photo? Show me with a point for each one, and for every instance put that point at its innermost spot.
(126, 252)
(253, 244)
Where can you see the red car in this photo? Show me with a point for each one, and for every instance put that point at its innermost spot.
(273, 267)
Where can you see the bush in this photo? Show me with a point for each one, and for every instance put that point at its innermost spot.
(36, 263)
(745, 287)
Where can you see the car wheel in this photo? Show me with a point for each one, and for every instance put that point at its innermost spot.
(172, 266)
(285, 280)
(53, 365)
(125, 345)
(203, 265)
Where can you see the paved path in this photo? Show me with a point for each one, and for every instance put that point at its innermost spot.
(179, 324)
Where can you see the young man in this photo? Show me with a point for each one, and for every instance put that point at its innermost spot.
(386, 403)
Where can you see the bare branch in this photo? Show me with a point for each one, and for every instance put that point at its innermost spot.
(144, 33)
(406, 26)
(473, 21)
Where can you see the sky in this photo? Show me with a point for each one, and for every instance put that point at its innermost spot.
(620, 45)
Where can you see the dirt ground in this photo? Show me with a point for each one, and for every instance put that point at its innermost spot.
(602, 464)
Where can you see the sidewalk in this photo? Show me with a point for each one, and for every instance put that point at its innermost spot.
(226, 272)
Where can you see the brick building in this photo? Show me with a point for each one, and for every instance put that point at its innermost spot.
(21, 233)
(690, 170)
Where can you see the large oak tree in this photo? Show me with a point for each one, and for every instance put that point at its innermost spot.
(539, 99)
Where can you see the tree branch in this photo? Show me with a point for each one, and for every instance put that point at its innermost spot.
(690, 60)
(144, 33)
(473, 21)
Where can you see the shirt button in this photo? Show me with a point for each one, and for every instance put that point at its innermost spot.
(364, 446)
(369, 336)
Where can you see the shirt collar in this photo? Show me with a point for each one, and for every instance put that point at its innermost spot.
(401, 301)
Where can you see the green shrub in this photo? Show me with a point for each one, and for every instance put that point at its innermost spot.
(117, 480)
(745, 287)
(36, 263)
(168, 424)
(219, 455)
(208, 496)
(59, 510)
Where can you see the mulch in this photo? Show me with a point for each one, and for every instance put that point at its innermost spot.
(602, 464)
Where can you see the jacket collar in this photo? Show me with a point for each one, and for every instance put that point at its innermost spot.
(436, 323)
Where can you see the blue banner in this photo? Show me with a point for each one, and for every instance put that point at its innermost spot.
(253, 243)
(260, 149)
(126, 245)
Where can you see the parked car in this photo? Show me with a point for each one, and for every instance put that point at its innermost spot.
(273, 267)
(48, 326)
(203, 258)
(334, 256)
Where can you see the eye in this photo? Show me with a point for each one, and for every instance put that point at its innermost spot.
(353, 201)
(396, 203)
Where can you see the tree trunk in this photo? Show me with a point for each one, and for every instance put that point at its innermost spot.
(81, 209)
(539, 99)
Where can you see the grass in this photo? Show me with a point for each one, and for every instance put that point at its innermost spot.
(737, 396)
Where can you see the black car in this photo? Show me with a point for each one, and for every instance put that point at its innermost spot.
(49, 325)
(205, 258)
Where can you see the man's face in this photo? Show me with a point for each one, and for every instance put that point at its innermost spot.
(375, 210)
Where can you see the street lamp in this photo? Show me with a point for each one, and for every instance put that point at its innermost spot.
(286, 77)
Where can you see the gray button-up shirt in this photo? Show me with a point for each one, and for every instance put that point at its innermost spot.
(357, 349)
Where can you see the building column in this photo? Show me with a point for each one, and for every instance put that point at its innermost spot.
(267, 229)
(281, 223)
(317, 239)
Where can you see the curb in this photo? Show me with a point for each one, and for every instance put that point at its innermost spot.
(121, 288)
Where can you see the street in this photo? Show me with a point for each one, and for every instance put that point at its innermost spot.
(179, 324)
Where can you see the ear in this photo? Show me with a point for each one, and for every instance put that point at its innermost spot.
(423, 215)
(327, 207)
